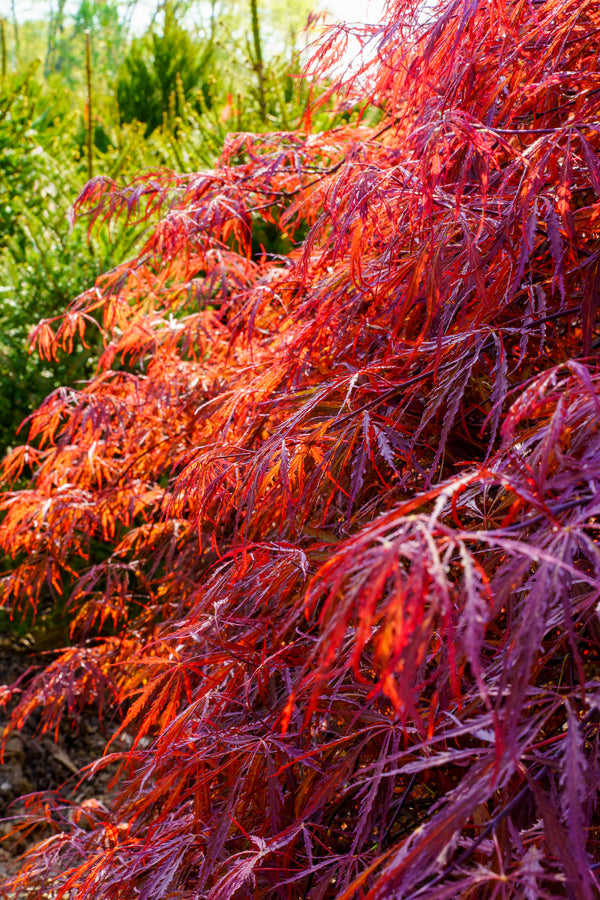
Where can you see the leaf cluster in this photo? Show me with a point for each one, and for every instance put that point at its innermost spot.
(44, 258)
(347, 606)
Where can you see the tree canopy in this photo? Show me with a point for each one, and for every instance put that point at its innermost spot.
(324, 523)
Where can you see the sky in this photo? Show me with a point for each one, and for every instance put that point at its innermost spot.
(356, 10)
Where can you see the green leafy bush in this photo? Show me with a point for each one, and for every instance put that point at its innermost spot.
(44, 260)
(162, 71)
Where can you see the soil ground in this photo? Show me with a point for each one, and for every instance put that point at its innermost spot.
(34, 762)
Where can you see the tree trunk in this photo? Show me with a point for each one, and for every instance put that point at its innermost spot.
(258, 60)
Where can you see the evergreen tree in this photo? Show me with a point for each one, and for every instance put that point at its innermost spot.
(162, 70)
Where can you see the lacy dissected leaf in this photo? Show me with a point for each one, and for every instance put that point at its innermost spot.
(323, 526)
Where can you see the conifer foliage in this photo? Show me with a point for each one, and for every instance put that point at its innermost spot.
(325, 525)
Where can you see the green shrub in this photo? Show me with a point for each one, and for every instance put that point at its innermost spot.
(162, 71)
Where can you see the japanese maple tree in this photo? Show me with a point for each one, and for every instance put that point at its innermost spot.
(325, 524)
